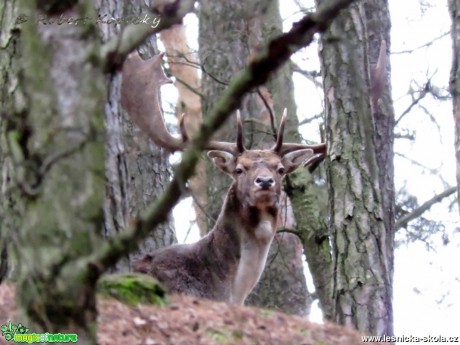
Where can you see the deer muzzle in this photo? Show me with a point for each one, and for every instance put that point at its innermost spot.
(264, 182)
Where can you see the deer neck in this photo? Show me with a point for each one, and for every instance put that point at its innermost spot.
(248, 232)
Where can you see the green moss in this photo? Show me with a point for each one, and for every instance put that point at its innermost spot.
(266, 312)
(304, 331)
(133, 289)
(224, 336)
(218, 336)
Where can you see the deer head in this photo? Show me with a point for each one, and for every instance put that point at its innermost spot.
(258, 174)
(227, 263)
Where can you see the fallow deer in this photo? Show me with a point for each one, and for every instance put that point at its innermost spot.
(227, 263)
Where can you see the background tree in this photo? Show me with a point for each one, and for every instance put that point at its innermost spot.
(137, 170)
(454, 8)
(362, 244)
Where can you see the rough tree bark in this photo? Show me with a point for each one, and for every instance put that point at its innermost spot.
(361, 247)
(58, 160)
(378, 27)
(11, 102)
(230, 35)
(454, 9)
(136, 169)
(309, 206)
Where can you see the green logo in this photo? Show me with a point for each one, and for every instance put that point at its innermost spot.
(10, 330)
(20, 334)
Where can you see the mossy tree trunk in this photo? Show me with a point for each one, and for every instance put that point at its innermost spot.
(137, 170)
(55, 133)
(362, 281)
(309, 203)
(11, 102)
(454, 9)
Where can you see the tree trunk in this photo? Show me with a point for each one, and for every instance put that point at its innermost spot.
(11, 96)
(58, 155)
(223, 52)
(137, 170)
(230, 34)
(378, 26)
(362, 269)
(308, 201)
(454, 9)
(309, 205)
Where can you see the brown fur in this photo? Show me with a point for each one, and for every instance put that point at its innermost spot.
(227, 263)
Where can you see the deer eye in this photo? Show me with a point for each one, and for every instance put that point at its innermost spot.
(238, 171)
(281, 170)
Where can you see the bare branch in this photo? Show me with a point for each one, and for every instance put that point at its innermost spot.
(270, 112)
(257, 73)
(434, 171)
(310, 75)
(406, 135)
(423, 93)
(311, 119)
(427, 44)
(189, 87)
(404, 220)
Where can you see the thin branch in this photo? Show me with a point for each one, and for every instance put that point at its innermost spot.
(407, 135)
(423, 93)
(310, 75)
(212, 76)
(418, 237)
(257, 73)
(189, 87)
(404, 220)
(270, 112)
(408, 51)
(416, 163)
(202, 208)
(311, 119)
(289, 231)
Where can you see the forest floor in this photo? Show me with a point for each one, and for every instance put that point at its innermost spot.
(186, 320)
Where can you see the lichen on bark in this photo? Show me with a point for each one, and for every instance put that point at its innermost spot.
(60, 171)
(362, 269)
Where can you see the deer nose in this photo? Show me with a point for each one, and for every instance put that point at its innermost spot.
(264, 182)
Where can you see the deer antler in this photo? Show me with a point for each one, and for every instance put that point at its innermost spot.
(140, 97)
(281, 148)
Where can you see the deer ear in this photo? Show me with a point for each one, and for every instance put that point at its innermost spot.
(225, 161)
(292, 160)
